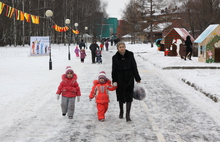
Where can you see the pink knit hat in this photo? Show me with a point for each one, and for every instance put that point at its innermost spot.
(102, 74)
(69, 69)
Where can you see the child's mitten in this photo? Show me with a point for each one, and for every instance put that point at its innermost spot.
(78, 98)
(115, 84)
(58, 96)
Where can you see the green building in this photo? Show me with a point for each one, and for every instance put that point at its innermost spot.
(108, 28)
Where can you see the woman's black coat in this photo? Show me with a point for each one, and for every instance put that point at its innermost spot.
(188, 44)
(124, 71)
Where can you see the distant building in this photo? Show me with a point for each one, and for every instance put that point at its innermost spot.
(107, 28)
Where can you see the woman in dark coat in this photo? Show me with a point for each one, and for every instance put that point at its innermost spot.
(188, 44)
(124, 71)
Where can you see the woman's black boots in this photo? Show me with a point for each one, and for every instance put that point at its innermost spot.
(121, 110)
(128, 108)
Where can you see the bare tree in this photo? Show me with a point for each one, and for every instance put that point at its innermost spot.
(86, 13)
(133, 16)
(200, 14)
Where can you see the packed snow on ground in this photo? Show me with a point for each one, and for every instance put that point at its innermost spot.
(173, 110)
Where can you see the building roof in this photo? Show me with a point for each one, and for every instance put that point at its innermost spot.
(158, 28)
(181, 32)
(206, 33)
(126, 36)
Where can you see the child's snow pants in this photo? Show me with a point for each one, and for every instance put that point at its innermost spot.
(68, 105)
(102, 108)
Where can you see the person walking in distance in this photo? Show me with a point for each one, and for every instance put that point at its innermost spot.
(106, 45)
(93, 47)
(188, 44)
(82, 55)
(82, 45)
(124, 72)
(77, 51)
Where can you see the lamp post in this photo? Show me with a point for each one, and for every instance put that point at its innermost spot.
(49, 14)
(151, 24)
(86, 28)
(76, 25)
(67, 22)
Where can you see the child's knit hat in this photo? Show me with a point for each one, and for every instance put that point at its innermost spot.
(69, 69)
(102, 74)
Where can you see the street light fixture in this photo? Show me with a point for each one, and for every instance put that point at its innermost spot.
(67, 22)
(49, 14)
(86, 28)
(76, 25)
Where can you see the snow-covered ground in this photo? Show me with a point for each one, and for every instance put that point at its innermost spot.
(176, 107)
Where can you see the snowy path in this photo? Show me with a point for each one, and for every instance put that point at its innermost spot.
(166, 115)
(178, 119)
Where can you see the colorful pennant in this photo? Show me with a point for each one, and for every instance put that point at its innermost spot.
(20, 15)
(1, 7)
(75, 31)
(60, 29)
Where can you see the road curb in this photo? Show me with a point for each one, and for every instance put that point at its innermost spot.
(190, 67)
(213, 97)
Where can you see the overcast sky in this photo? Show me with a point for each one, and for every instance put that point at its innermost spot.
(115, 7)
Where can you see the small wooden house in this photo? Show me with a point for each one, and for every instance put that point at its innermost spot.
(172, 37)
(208, 44)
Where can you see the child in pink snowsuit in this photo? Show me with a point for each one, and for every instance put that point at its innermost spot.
(82, 55)
(77, 51)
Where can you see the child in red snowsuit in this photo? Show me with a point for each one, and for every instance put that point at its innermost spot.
(100, 92)
(69, 89)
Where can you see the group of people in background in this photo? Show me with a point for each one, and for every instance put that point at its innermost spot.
(104, 43)
(124, 74)
(96, 50)
(80, 51)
